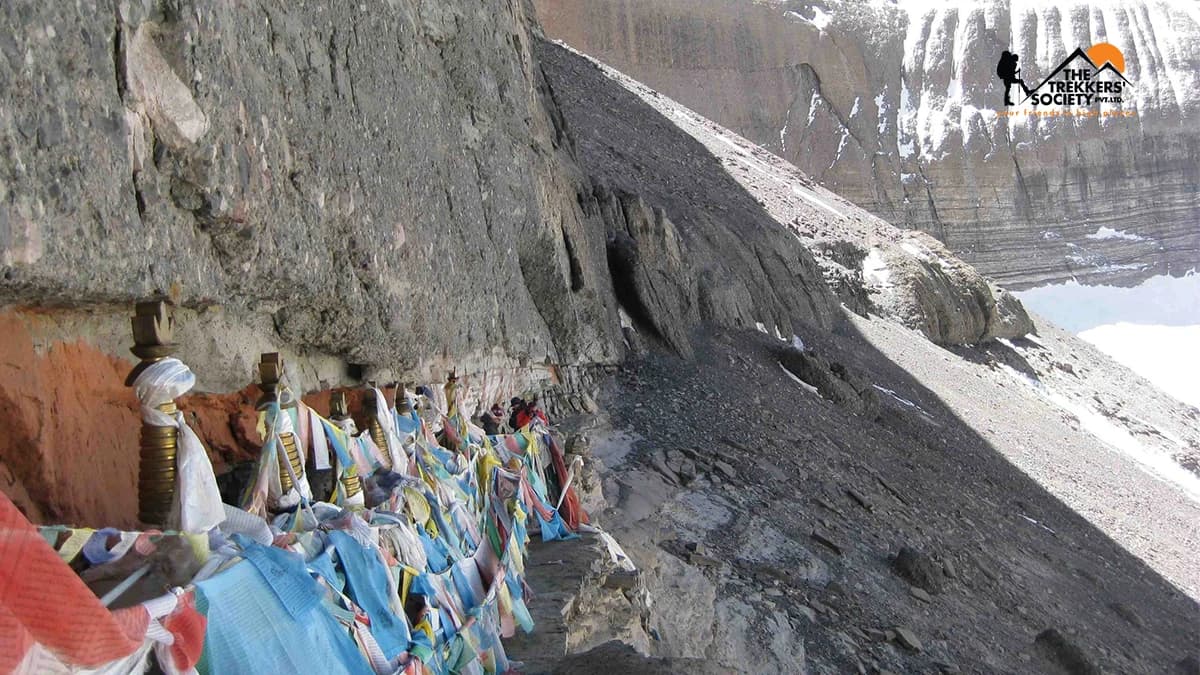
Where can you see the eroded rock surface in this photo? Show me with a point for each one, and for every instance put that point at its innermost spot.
(357, 178)
(763, 245)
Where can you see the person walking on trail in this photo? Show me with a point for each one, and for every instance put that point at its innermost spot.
(530, 413)
(536, 411)
(490, 420)
(515, 406)
(1008, 71)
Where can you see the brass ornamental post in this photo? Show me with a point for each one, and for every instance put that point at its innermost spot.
(270, 371)
(376, 427)
(338, 411)
(153, 329)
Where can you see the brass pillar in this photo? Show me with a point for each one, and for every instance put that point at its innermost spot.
(270, 371)
(375, 427)
(153, 329)
(339, 411)
(450, 390)
(403, 406)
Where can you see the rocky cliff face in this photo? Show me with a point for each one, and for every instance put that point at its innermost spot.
(313, 171)
(371, 190)
(894, 106)
(757, 243)
(376, 192)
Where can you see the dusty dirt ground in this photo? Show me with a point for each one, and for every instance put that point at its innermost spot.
(766, 519)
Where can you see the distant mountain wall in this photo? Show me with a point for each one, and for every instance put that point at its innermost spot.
(894, 106)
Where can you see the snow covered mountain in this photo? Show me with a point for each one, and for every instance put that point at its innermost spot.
(898, 107)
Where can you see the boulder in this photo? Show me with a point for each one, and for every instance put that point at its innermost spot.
(917, 569)
(929, 289)
(1064, 653)
(907, 639)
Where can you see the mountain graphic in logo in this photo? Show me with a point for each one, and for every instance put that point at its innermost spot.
(1077, 81)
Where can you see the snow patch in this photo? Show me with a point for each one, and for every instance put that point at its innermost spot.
(821, 19)
(920, 252)
(841, 146)
(893, 394)
(1031, 520)
(1082, 257)
(882, 110)
(954, 91)
(913, 249)
(875, 270)
(1165, 355)
(903, 401)
(1114, 436)
(810, 197)
(1104, 233)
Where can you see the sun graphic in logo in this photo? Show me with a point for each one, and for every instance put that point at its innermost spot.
(1103, 53)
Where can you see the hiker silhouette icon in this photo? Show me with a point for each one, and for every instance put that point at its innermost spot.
(1008, 71)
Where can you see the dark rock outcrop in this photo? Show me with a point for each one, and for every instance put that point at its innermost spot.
(833, 381)
(707, 250)
(761, 245)
(1064, 654)
(649, 267)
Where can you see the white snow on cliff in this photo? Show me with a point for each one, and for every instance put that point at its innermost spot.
(950, 81)
(1103, 233)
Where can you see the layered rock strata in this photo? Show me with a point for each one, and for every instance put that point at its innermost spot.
(895, 106)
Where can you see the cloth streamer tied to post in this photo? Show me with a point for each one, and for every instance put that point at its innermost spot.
(422, 572)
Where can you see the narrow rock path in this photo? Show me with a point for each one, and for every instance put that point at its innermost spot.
(775, 530)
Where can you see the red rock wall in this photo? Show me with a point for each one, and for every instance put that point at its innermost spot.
(68, 429)
(69, 425)
(226, 422)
